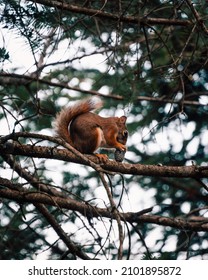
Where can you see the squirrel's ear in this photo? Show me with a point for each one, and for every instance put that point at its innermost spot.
(123, 119)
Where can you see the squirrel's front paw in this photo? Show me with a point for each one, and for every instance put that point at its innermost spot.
(121, 147)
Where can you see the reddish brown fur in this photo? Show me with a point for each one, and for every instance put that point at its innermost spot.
(87, 131)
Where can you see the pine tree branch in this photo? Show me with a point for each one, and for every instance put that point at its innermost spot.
(73, 248)
(16, 79)
(61, 5)
(116, 214)
(198, 18)
(36, 151)
(88, 210)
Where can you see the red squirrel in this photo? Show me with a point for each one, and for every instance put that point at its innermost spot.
(87, 131)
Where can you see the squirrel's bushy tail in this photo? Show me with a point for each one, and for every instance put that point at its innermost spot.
(66, 115)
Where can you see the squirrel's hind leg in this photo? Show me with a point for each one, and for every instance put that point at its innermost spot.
(86, 138)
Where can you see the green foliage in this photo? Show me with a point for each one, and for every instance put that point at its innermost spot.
(4, 55)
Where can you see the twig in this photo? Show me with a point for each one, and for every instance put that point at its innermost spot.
(197, 16)
(192, 33)
(39, 63)
(116, 214)
(23, 79)
(74, 249)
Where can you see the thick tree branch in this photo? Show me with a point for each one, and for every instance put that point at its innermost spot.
(92, 211)
(110, 166)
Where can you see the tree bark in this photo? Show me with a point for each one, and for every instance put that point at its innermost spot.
(49, 152)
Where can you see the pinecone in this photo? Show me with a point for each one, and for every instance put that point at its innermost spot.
(119, 155)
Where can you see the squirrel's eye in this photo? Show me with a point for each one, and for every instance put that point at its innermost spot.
(125, 133)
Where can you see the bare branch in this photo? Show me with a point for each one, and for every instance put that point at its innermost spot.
(110, 166)
(24, 80)
(93, 211)
(74, 249)
(111, 16)
(199, 20)
(116, 214)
